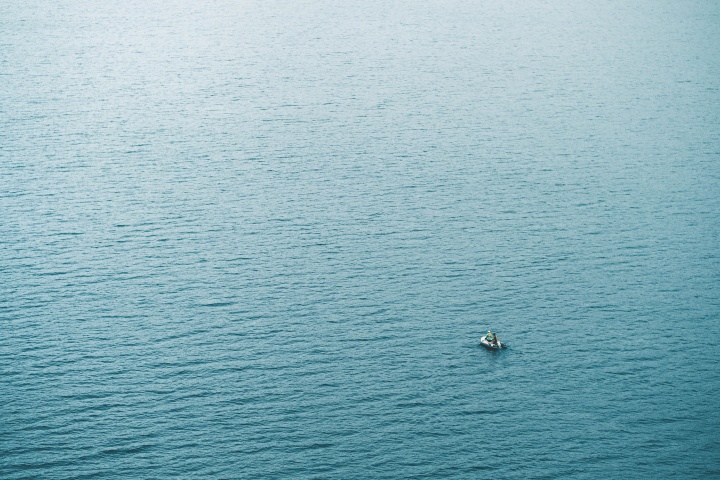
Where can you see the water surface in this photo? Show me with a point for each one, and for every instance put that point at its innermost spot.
(254, 239)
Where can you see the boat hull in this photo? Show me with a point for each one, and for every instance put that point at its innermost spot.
(490, 346)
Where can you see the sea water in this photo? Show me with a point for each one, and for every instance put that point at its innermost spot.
(262, 239)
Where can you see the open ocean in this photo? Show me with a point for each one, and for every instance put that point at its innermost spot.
(262, 239)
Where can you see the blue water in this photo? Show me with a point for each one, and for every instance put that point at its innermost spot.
(261, 239)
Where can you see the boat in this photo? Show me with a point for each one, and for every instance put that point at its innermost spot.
(492, 346)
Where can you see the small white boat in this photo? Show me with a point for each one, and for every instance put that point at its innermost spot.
(490, 345)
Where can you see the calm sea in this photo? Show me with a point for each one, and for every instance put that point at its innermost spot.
(262, 239)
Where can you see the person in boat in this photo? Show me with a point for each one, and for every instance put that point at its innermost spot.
(489, 336)
(495, 340)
